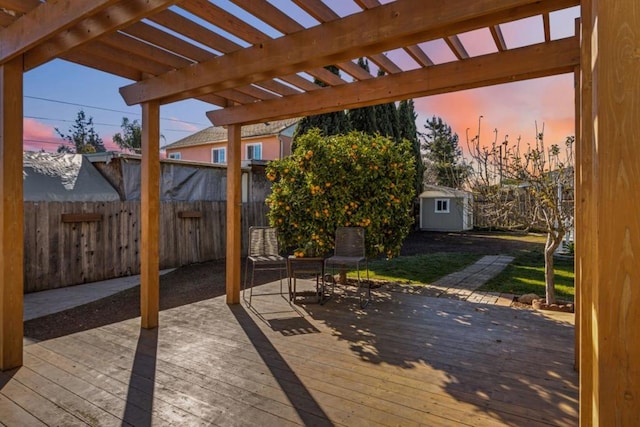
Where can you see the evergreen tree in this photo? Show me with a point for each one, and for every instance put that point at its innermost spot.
(335, 123)
(82, 137)
(444, 153)
(387, 118)
(131, 137)
(363, 119)
(408, 130)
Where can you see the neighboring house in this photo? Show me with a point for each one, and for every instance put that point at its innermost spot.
(445, 209)
(263, 141)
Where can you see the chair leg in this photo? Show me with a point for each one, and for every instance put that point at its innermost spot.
(244, 284)
(364, 301)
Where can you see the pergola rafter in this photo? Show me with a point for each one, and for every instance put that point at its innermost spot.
(529, 62)
(370, 32)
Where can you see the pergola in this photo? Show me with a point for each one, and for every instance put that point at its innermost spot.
(171, 52)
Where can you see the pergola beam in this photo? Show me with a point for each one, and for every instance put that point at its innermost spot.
(372, 31)
(104, 21)
(540, 60)
(44, 22)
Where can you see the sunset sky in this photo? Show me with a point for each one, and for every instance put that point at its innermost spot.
(55, 92)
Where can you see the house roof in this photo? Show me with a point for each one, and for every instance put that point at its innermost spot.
(219, 133)
(439, 191)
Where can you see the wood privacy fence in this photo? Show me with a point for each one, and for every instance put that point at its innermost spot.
(68, 243)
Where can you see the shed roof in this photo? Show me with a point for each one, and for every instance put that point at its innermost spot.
(440, 191)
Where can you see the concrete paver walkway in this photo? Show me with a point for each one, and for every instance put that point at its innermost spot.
(39, 304)
(462, 284)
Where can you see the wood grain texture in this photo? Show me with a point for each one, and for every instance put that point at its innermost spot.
(586, 250)
(234, 208)
(407, 360)
(97, 21)
(150, 216)
(541, 60)
(370, 32)
(616, 108)
(11, 215)
(111, 248)
(81, 217)
(31, 30)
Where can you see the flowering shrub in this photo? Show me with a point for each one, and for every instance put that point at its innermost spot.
(344, 180)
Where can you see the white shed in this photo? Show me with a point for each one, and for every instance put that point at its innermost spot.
(445, 209)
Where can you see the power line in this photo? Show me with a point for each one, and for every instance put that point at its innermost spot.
(108, 109)
(67, 121)
(96, 123)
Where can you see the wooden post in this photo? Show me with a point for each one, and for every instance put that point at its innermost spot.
(11, 215)
(615, 308)
(576, 206)
(150, 216)
(234, 206)
(578, 313)
(586, 258)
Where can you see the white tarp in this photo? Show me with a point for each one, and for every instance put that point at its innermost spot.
(64, 178)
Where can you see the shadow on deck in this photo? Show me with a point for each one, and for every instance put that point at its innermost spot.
(405, 360)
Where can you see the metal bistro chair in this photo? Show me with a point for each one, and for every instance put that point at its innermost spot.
(350, 252)
(264, 254)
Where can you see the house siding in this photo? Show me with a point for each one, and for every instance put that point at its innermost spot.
(432, 221)
(202, 153)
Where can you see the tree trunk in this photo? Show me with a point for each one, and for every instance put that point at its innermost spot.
(553, 241)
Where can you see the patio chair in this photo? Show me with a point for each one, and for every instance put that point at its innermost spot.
(350, 252)
(264, 254)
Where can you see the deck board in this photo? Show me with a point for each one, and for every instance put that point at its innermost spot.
(406, 360)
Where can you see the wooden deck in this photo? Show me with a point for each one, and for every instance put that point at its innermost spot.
(406, 360)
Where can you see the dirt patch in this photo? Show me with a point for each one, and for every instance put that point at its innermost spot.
(473, 242)
(197, 282)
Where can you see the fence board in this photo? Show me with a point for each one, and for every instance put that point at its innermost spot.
(59, 254)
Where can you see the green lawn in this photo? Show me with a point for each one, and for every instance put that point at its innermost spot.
(526, 275)
(419, 268)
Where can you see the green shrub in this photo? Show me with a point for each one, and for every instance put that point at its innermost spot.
(344, 180)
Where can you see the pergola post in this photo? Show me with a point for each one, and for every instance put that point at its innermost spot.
(577, 222)
(11, 215)
(150, 216)
(610, 381)
(234, 207)
(586, 260)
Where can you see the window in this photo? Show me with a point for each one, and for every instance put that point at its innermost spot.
(219, 155)
(175, 156)
(442, 206)
(254, 151)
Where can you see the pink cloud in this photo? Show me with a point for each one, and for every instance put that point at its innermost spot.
(110, 145)
(513, 109)
(39, 136)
